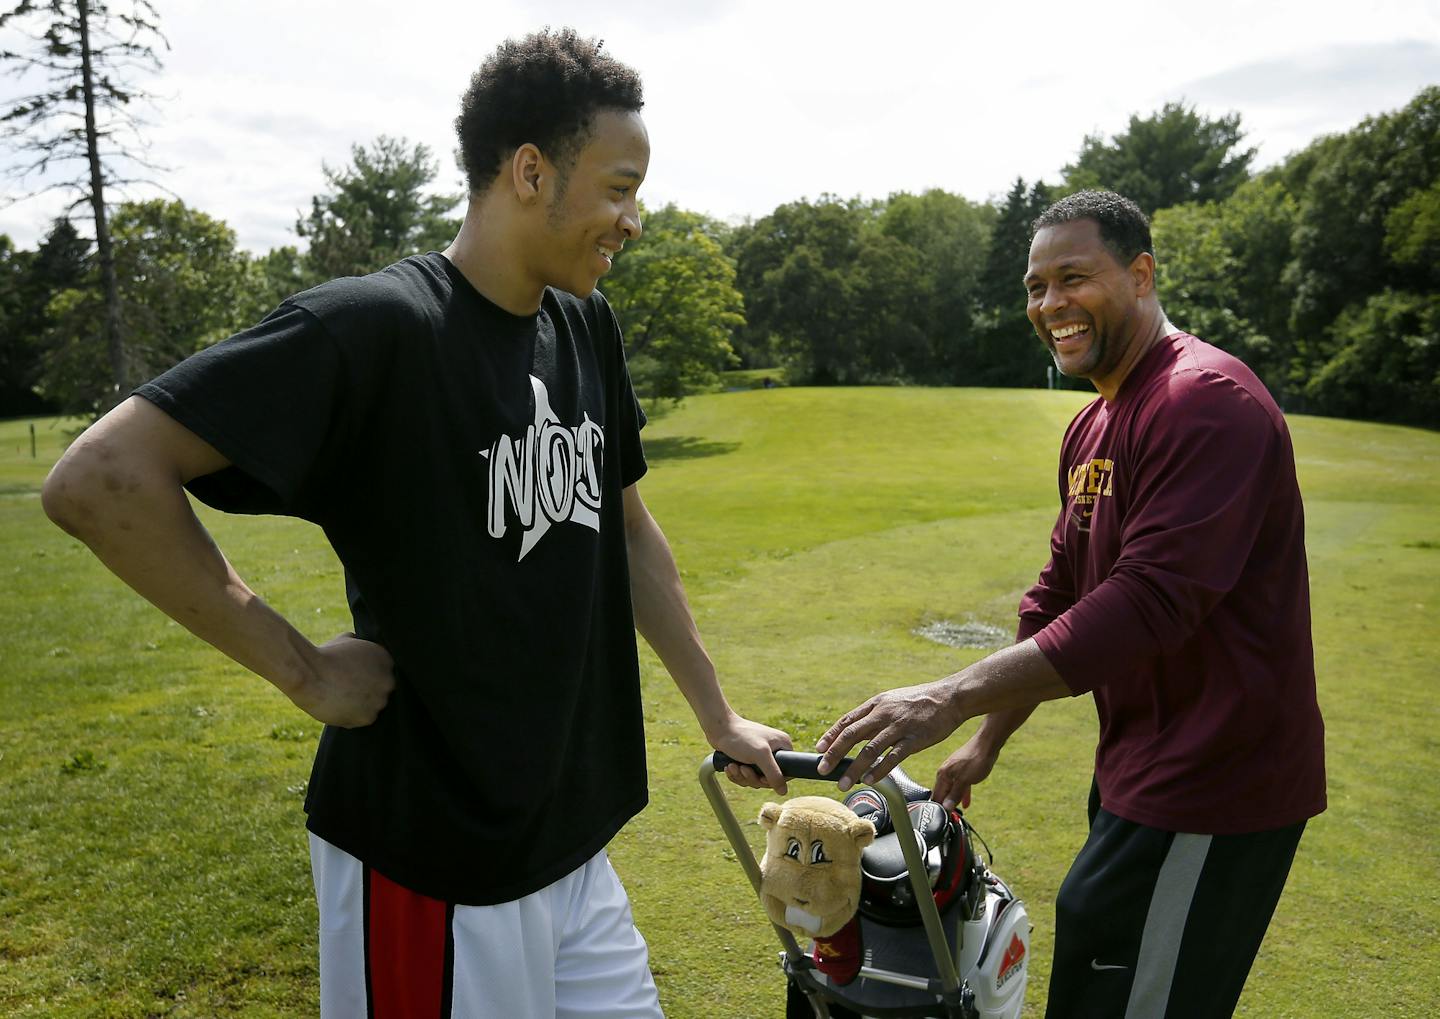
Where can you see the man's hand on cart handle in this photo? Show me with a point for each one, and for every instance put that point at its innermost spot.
(896, 723)
(755, 744)
(793, 764)
(902, 722)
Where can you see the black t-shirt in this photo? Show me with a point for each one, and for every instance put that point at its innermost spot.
(467, 466)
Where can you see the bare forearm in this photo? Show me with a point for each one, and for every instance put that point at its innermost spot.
(136, 519)
(997, 728)
(1006, 687)
(664, 619)
(120, 489)
(910, 719)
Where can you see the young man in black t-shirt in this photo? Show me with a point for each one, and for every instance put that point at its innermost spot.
(462, 426)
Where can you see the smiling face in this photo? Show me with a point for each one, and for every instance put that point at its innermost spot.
(1085, 305)
(591, 207)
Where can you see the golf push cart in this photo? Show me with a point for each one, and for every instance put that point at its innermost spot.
(942, 935)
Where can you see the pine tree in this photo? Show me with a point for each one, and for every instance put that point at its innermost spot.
(1008, 353)
(77, 130)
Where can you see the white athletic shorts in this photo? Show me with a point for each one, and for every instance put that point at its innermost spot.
(569, 950)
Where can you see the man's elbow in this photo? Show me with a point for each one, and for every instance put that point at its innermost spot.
(87, 479)
(62, 499)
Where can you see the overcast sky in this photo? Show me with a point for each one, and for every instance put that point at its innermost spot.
(751, 103)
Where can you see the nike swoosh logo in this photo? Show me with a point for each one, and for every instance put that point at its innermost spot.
(1097, 965)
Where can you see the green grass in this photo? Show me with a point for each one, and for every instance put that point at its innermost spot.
(751, 378)
(152, 860)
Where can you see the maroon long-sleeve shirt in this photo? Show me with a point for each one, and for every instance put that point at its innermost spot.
(1177, 592)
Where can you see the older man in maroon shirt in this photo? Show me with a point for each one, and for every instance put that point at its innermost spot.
(1177, 594)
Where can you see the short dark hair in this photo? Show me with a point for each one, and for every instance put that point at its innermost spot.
(544, 89)
(1124, 229)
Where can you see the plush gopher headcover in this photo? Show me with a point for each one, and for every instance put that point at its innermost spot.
(810, 874)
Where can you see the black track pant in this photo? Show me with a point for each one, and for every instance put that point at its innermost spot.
(1152, 924)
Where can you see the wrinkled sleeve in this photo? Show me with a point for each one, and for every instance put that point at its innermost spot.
(277, 402)
(1202, 483)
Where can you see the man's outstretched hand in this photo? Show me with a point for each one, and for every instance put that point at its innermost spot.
(897, 723)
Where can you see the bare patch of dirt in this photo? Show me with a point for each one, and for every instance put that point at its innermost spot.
(969, 634)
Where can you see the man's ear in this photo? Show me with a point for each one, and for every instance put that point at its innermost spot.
(527, 173)
(1142, 274)
(769, 814)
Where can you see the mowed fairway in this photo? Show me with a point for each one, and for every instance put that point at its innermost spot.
(152, 859)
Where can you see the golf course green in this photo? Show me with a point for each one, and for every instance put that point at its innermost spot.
(152, 854)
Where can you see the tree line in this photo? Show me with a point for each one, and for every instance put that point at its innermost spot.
(1322, 273)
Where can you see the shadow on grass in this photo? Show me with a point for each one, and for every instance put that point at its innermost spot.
(685, 447)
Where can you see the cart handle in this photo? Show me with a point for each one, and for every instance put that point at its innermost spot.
(793, 764)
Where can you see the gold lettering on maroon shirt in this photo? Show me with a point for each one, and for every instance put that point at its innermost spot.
(1089, 483)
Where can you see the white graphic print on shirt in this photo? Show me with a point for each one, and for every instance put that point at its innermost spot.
(549, 475)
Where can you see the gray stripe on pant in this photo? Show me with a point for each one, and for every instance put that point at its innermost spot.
(1165, 926)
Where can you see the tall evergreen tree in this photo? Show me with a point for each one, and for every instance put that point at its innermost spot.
(85, 54)
(1007, 352)
(28, 281)
(17, 356)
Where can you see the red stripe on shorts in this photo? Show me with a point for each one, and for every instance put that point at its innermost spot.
(409, 952)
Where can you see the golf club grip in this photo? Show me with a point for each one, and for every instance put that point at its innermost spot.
(793, 764)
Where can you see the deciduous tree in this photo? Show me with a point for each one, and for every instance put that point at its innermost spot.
(792, 268)
(182, 283)
(1222, 267)
(1361, 269)
(936, 285)
(269, 279)
(376, 211)
(1384, 362)
(1173, 156)
(674, 291)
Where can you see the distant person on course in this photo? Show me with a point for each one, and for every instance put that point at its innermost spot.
(1177, 594)
(463, 428)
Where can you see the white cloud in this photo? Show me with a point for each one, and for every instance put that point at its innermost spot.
(751, 103)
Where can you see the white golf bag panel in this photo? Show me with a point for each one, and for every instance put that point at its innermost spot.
(992, 956)
(995, 956)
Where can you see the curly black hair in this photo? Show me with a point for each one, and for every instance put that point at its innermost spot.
(1124, 230)
(544, 89)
